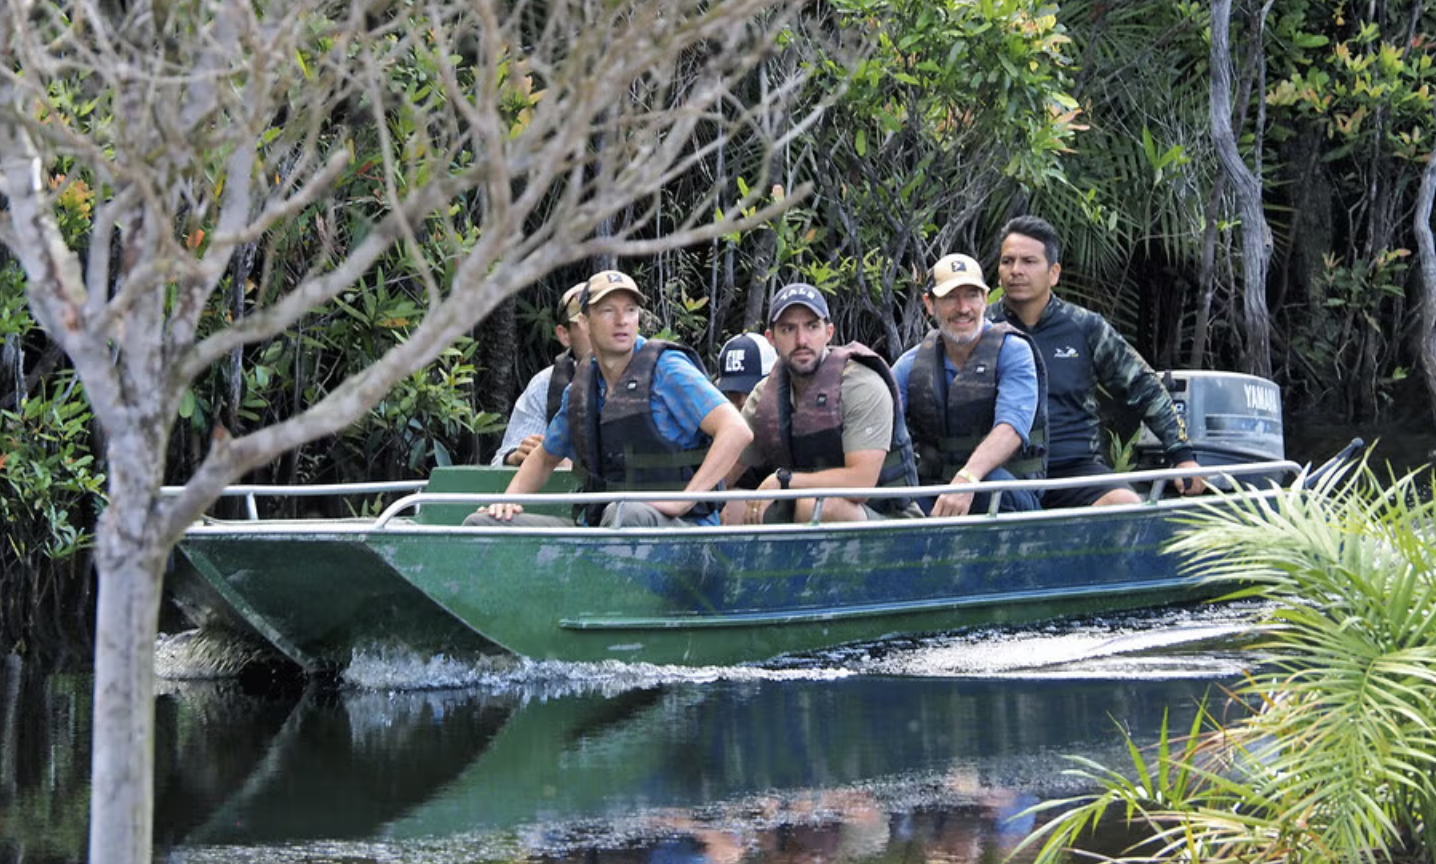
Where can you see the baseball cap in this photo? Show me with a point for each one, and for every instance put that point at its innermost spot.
(743, 362)
(568, 305)
(952, 271)
(799, 294)
(605, 282)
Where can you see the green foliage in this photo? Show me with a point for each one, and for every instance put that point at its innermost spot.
(1336, 762)
(1358, 84)
(52, 490)
(52, 487)
(947, 102)
(1345, 329)
(949, 68)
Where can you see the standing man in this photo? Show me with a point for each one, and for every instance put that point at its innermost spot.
(974, 396)
(540, 400)
(1081, 352)
(825, 418)
(639, 415)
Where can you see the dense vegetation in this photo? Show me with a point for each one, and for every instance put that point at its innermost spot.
(1328, 750)
(1092, 114)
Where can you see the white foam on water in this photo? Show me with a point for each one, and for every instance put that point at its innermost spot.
(401, 670)
(1178, 642)
(1169, 643)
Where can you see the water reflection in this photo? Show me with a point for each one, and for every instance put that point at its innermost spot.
(909, 749)
(763, 771)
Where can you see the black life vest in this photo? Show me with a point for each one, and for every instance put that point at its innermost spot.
(563, 366)
(949, 419)
(619, 447)
(809, 436)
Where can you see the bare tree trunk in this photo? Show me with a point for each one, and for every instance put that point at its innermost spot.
(1206, 277)
(122, 768)
(1255, 233)
(9, 725)
(1427, 247)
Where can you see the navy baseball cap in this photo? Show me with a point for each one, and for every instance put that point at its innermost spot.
(743, 362)
(799, 294)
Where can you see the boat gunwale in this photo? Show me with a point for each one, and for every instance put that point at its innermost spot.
(391, 522)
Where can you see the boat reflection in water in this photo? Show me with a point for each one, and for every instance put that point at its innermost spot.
(769, 769)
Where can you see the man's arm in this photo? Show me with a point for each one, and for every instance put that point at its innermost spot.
(730, 434)
(1126, 375)
(527, 422)
(531, 477)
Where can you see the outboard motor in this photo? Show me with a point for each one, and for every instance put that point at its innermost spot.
(1231, 418)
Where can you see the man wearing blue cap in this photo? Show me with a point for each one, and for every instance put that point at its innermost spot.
(825, 417)
(743, 361)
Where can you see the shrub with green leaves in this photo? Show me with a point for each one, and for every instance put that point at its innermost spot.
(1336, 759)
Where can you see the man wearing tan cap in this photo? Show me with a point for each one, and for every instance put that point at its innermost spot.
(639, 415)
(974, 396)
(539, 402)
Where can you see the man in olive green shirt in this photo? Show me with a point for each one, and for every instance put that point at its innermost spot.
(839, 428)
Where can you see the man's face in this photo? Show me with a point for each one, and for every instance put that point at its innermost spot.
(801, 339)
(574, 338)
(958, 313)
(612, 324)
(1023, 270)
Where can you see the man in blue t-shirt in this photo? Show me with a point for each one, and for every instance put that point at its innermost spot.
(639, 415)
(973, 396)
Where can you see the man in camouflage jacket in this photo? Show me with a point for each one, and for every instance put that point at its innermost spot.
(1081, 352)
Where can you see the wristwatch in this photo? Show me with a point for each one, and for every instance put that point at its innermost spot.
(785, 476)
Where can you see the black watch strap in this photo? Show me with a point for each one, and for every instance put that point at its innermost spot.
(785, 476)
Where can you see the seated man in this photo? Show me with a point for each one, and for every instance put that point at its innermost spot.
(540, 399)
(974, 397)
(743, 361)
(825, 418)
(1081, 352)
(640, 414)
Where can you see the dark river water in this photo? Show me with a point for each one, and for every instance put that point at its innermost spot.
(921, 750)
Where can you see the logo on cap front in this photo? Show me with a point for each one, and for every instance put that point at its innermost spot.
(615, 277)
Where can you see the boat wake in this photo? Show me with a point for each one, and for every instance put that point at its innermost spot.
(1204, 641)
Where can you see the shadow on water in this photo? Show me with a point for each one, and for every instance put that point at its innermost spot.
(917, 749)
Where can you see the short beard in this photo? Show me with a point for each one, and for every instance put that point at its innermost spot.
(960, 339)
(807, 373)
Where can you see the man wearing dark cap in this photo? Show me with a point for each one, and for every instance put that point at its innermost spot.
(743, 361)
(639, 415)
(540, 400)
(825, 417)
(974, 398)
(1081, 353)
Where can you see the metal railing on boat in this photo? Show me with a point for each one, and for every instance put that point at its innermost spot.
(1158, 478)
(251, 492)
(1156, 481)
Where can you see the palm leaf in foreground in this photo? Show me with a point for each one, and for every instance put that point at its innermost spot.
(1334, 760)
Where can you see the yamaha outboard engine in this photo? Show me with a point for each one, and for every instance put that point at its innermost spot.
(1231, 418)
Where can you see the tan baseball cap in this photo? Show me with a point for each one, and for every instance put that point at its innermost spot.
(605, 282)
(568, 305)
(952, 271)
